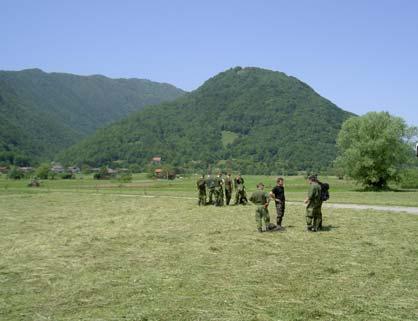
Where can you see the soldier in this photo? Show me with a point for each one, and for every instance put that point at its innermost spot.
(277, 193)
(219, 191)
(211, 187)
(228, 188)
(261, 199)
(240, 194)
(201, 187)
(314, 203)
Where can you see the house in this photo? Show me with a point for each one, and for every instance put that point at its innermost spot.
(73, 169)
(57, 168)
(112, 171)
(160, 173)
(156, 160)
(3, 170)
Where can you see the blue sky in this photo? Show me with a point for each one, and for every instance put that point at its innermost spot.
(362, 55)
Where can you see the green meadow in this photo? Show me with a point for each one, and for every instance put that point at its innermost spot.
(107, 250)
(341, 191)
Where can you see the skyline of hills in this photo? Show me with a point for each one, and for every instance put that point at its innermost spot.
(42, 113)
(251, 118)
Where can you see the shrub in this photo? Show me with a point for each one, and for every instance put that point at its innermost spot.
(43, 171)
(126, 177)
(102, 174)
(15, 173)
(135, 168)
(67, 175)
(409, 178)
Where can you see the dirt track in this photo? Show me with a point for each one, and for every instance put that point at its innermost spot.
(385, 208)
(361, 207)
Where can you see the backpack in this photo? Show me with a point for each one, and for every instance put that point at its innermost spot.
(324, 191)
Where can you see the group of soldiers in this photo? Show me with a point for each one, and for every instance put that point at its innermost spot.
(218, 190)
(219, 186)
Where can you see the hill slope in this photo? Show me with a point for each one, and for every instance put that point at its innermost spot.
(42, 113)
(261, 119)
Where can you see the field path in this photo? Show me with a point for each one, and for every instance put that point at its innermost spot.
(385, 208)
(360, 207)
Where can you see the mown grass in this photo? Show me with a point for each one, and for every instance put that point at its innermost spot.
(76, 255)
(342, 191)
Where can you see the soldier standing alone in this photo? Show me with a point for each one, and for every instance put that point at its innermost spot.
(201, 187)
(278, 194)
(314, 203)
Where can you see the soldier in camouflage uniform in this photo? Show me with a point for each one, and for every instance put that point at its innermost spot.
(201, 187)
(210, 183)
(228, 188)
(240, 194)
(219, 191)
(314, 203)
(261, 199)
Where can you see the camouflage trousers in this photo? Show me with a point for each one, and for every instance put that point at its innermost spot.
(219, 196)
(313, 218)
(240, 197)
(280, 212)
(228, 195)
(202, 197)
(262, 214)
(320, 218)
(211, 194)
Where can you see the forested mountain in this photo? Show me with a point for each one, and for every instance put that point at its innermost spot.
(248, 119)
(42, 113)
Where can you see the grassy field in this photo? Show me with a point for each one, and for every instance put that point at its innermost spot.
(83, 250)
(342, 191)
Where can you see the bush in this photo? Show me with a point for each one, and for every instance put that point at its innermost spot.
(15, 173)
(409, 178)
(102, 174)
(135, 168)
(85, 169)
(67, 175)
(126, 177)
(43, 171)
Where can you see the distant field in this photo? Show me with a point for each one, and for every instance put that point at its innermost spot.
(78, 254)
(342, 191)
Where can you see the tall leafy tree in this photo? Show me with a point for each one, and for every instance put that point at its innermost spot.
(373, 148)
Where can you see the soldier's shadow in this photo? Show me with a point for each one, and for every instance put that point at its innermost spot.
(328, 228)
(325, 228)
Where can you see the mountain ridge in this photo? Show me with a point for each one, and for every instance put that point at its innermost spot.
(276, 118)
(67, 107)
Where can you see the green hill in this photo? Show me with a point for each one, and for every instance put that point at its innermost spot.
(247, 119)
(42, 113)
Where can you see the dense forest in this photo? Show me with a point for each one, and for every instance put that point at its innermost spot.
(42, 113)
(247, 119)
